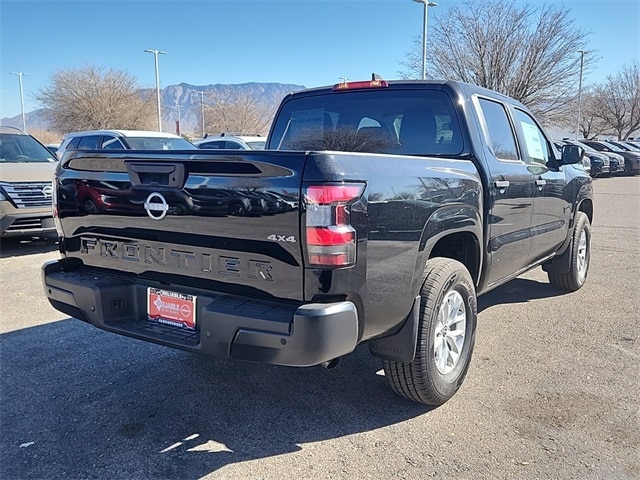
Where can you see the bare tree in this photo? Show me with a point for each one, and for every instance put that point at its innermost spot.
(591, 126)
(616, 102)
(93, 98)
(237, 112)
(524, 51)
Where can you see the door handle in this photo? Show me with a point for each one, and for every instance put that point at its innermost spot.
(501, 184)
(541, 183)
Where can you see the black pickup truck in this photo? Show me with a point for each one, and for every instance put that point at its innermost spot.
(376, 215)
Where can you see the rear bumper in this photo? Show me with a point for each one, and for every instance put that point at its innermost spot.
(227, 326)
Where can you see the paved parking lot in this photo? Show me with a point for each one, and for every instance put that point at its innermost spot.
(552, 391)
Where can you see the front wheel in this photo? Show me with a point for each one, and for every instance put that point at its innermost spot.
(446, 336)
(580, 246)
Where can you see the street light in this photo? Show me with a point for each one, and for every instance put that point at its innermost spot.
(426, 4)
(20, 74)
(155, 55)
(202, 110)
(581, 52)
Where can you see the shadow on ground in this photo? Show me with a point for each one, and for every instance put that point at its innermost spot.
(78, 402)
(520, 290)
(12, 247)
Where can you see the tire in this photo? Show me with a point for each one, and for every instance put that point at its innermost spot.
(580, 246)
(90, 206)
(237, 210)
(443, 354)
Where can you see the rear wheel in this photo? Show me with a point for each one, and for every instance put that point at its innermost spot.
(90, 206)
(446, 335)
(580, 246)
(237, 210)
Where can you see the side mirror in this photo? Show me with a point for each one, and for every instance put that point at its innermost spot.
(572, 154)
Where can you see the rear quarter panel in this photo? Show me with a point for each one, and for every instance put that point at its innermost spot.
(408, 204)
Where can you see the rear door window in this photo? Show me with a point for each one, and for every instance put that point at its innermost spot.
(212, 145)
(90, 142)
(230, 144)
(73, 143)
(498, 130)
(535, 142)
(112, 143)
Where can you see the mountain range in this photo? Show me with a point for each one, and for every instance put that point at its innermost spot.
(183, 99)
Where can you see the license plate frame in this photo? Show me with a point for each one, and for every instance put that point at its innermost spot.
(168, 307)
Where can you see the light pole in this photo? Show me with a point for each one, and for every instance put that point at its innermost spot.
(202, 110)
(581, 52)
(155, 55)
(20, 74)
(179, 118)
(426, 4)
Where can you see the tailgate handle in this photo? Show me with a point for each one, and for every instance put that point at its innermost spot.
(156, 175)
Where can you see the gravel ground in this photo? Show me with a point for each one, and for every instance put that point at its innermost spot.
(552, 391)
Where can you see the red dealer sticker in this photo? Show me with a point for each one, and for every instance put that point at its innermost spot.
(171, 308)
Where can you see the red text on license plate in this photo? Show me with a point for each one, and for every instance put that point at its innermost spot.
(171, 308)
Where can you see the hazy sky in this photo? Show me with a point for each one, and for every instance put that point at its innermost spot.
(304, 42)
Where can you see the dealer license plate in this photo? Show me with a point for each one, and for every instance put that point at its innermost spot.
(171, 308)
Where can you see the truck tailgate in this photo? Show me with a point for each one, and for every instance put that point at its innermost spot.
(217, 220)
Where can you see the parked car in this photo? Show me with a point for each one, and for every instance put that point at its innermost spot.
(53, 148)
(631, 159)
(600, 162)
(220, 201)
(26, 173)
(123, 140)
(586, 160)
(232, 142)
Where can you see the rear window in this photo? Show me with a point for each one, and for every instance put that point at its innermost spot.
(159, 143)
(256, 145)
(17, 148)
(408, 122)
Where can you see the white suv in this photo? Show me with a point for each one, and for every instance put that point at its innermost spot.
(232, 142)
(123, 140)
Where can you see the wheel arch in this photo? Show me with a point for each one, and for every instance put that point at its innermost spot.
(586, 206)
(453, 232)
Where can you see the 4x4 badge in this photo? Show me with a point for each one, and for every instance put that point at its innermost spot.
(159, 205)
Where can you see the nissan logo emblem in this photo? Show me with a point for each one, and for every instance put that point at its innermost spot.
(47, 191)
(156, 206)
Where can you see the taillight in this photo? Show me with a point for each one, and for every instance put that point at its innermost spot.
(360, 85)
(54, 205)
(331, 240)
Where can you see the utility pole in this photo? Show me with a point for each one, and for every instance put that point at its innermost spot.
(155, 54)
(581, 52)
(20, 74)
(202, 110)
(426, 4)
